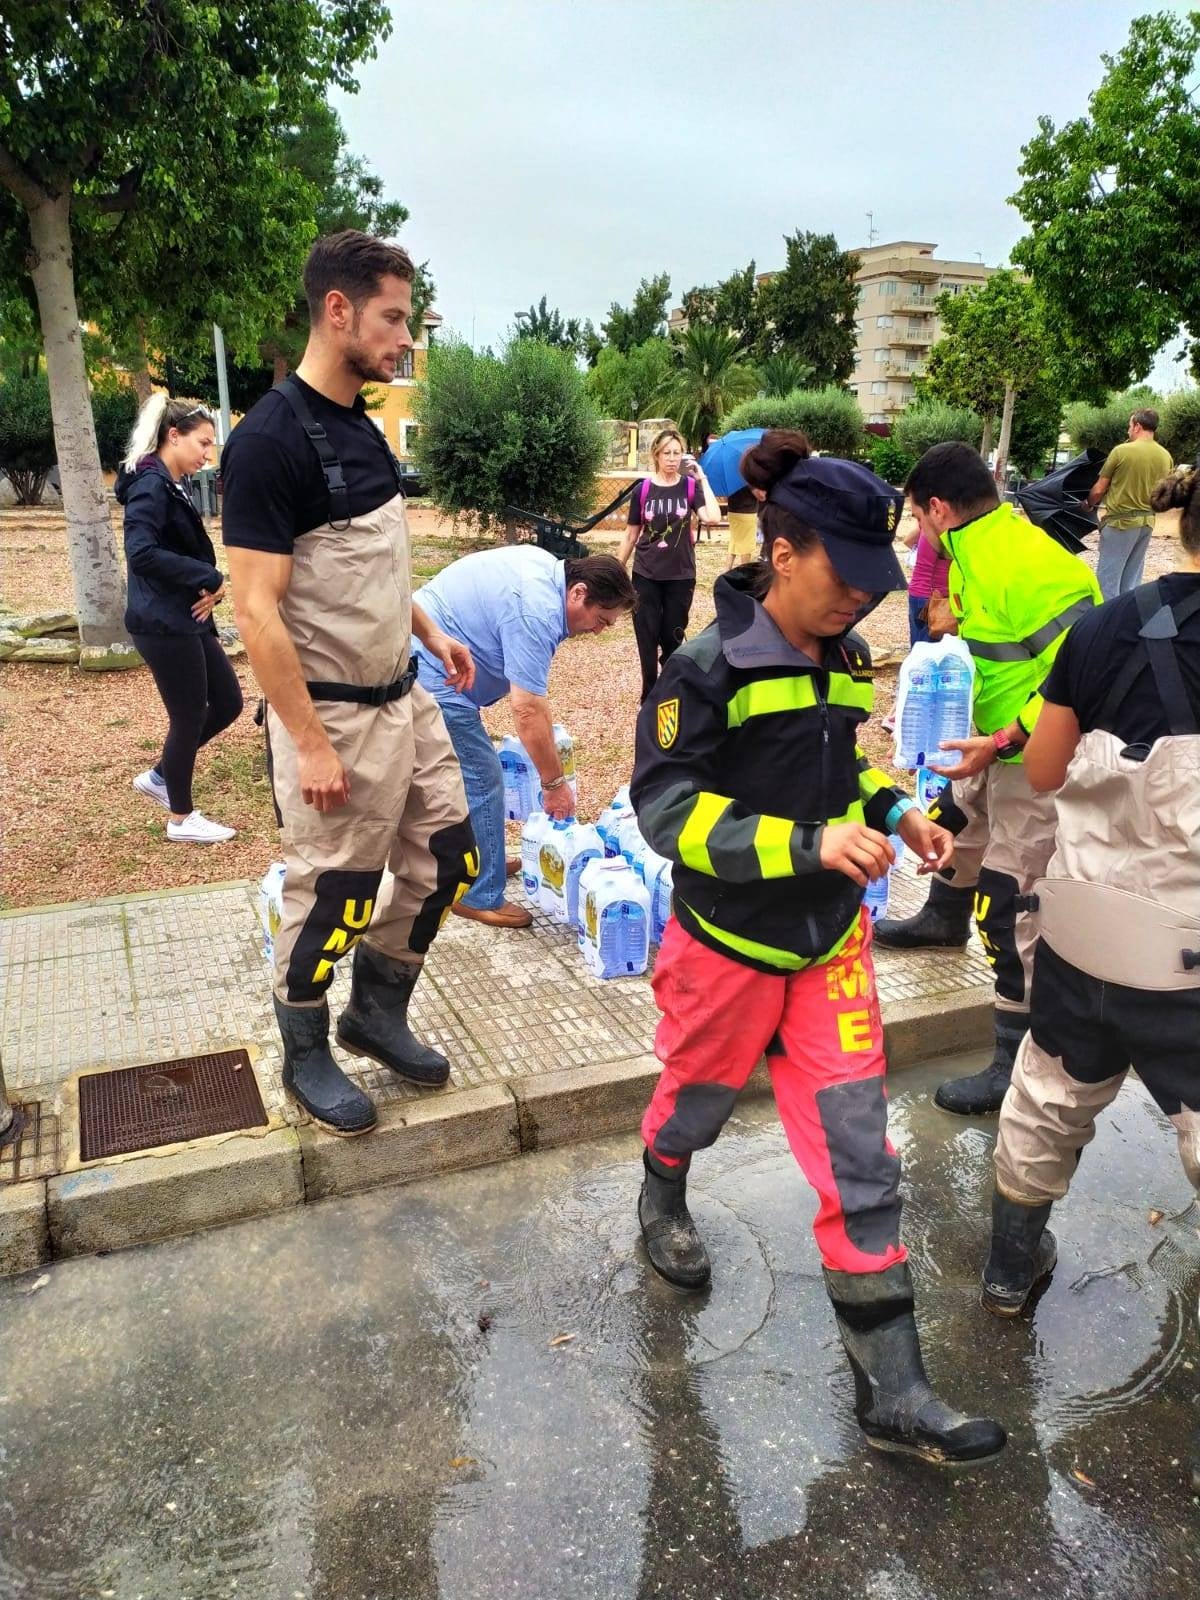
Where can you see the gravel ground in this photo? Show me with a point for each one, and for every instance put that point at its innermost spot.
(70, 742)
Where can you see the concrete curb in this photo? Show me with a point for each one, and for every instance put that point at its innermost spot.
(231, 1178)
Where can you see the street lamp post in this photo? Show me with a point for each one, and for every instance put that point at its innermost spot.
(12, 1119)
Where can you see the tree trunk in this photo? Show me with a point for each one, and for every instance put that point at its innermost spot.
(279, 368)
(142, 386)
(1010, 396)
(98, 578)
(985, 444)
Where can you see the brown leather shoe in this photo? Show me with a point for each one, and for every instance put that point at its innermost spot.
(512, 865)
(505, 915)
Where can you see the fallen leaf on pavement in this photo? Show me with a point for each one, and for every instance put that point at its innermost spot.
(1082, 1477)
(1156, 1217)
(562, 1338)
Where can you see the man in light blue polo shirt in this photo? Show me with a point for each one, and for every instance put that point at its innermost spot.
(512, 607)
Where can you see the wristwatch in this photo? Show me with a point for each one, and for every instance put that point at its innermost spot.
(1004, 745)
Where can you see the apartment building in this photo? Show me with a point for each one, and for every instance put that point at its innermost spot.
(392, 403)
(897, 322)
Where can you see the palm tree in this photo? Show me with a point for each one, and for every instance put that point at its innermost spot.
(710, 377)
(781, 373)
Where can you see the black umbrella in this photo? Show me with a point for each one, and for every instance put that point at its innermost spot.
(1053, 502)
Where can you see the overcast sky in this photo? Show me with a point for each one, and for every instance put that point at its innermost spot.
(571, 147)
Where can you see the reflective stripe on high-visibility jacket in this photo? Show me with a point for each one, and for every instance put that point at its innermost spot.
(768, 954)
(772, 696)
(1015, 592)
(871, 782)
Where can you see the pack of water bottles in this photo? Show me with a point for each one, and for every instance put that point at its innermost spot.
(604, 882)
(933, 702)
(522, 786)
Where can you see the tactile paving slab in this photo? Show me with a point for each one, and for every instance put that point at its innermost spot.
(34, 1151)
(166, 1102)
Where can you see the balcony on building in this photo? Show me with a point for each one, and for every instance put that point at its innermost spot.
(911, 338)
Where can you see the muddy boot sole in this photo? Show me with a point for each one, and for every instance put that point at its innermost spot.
(932, 1455)
(413, 1075)
(1003, 1302)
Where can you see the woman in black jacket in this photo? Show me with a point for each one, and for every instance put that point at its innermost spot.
(174, 585)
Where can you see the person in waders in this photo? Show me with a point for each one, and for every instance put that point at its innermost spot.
(1014, 593)
(376, 835)
(1116, 971)
(748, 776)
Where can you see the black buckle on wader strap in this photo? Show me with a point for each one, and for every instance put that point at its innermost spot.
(364, 694)
(331, 467)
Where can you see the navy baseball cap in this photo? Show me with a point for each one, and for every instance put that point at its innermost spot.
(855, 513)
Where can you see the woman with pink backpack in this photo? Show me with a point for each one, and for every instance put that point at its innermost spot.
(661, 537)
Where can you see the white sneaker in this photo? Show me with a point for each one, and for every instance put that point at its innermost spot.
(197, 829)
(152, 786)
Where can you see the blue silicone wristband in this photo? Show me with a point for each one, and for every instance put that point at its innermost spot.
(891, 821)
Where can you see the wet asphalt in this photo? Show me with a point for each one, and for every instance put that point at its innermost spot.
(474, 1387)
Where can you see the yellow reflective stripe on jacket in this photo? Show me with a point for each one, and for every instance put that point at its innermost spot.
(693, 836)
(773, 846)
(870, 779)
(788, 960)
(771, 696)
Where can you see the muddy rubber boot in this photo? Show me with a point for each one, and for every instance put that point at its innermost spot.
(675, 1249)
(1023, 1253)
(944, 921)
(375, 1023)
(313, 1077)
(895, 1405)
(982, 1093)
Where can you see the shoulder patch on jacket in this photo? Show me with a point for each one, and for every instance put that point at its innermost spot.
(668, 723)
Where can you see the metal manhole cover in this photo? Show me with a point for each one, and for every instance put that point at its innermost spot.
(166, 1102)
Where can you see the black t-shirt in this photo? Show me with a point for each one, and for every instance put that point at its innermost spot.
(664, 547)
(1096, 650)
(272, 486)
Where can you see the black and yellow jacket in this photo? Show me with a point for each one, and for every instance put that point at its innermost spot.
(745, 750)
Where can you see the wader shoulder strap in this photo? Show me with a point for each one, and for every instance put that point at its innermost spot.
(1156, 648)
(331, 467)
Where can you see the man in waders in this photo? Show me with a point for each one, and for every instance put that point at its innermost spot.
(376, 834)
(1014, 593)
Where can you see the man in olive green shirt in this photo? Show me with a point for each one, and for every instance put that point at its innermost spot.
(1124, 485)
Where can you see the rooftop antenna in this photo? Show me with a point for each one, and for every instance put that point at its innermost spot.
(872, 230)
(979, 257)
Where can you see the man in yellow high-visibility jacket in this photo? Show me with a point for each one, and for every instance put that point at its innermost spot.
(1014, 593)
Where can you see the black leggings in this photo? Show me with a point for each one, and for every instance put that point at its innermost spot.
(660, 621)
(202, 697)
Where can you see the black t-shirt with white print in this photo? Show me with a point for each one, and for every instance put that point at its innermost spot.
(664, 548)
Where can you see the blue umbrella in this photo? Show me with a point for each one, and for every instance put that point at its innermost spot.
(720, 460)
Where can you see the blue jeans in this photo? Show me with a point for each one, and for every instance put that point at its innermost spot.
(484, 783)
(918, 632)
(1122, 556)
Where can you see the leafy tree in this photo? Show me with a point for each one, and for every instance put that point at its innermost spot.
(781, 373)
(548, 325)
(890, 462)
(1179, 426)
(645, 319)
(1100, 427)
(515, 430)
(26, 435)
(1112, 198)
(928, 422)
(708, 377)
(627, 385)
(735, 304)
(809, 308)
(994, 347)
(140, 167)
(830, 417)
(27, 450)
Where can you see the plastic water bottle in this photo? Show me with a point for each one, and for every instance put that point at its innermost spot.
(615, 938)
(610, 819)
(521, 785)
(536, 826)
(565, 746)
(658, 875)
(918, 717)
(929, 787)
(630, 842)
(584, 846)
(954, 691)
(270, 907)
(878, 889)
